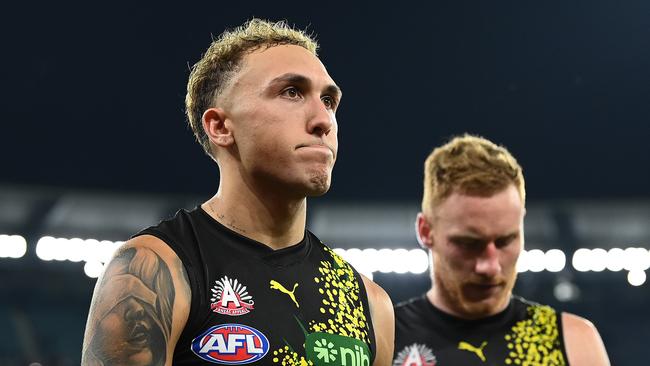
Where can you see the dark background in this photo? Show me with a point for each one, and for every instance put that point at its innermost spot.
(92, 98)
(93, 94)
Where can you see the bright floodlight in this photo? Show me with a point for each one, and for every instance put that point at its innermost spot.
(400, 263)
(636, 259)
(636, 277)
(75, 250)
(536, 260)
(340, 252)
(12, 246)
(353, 256)
(60, 249)
(356, 259)
(370, 256)
(93, 269)
(522, 262)
(598, 260)
(581, 260)
(93, 251)
(555, 260)
(107, 249)
(615, 259)
(419, 261)
(643, 260)
(45, 248)
(384, 260)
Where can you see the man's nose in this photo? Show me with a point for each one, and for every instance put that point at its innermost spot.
(321, 119)
(487, 263)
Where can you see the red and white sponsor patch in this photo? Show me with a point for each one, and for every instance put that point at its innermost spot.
(230, 297)
(415, 355)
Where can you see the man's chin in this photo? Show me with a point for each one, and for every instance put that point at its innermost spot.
(318, 185)
(484, 308)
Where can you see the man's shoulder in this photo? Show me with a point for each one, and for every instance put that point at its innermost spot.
(412, 303)
(409, 311)
(171, 223)
(529, 306)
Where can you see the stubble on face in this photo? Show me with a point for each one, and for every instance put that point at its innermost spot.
(455, 289)
(463, 228)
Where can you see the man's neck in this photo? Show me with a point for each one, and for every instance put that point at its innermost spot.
(263, 217)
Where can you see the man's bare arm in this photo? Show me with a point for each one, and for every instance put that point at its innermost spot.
(583, 344)
(139, 307)
(383, 322)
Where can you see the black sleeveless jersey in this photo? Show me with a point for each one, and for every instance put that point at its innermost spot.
(524, 333)
(302, 305)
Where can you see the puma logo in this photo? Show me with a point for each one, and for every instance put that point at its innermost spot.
(275, 285)
(464, 346)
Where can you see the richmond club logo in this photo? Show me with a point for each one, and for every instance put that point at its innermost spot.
(229, 297)
(231, 344)
(415, 355)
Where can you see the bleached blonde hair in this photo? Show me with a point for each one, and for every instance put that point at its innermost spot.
(222, 60)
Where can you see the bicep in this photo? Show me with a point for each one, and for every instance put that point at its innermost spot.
(582, 341)
(383, 322)
(139, 307)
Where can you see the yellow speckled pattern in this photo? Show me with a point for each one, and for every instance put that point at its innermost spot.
(536, 340)
(341, 310)
(286, 357)
(340, 300)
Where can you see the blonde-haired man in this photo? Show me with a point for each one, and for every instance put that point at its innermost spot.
(472, 225)
(239, 279)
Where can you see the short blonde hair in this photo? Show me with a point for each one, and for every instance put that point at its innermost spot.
(222, 60)
(469, 165)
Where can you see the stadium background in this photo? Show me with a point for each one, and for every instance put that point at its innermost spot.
(94, 144)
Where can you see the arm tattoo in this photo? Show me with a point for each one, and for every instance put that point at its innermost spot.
(131, 314)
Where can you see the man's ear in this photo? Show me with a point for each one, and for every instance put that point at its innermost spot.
(214, 124)
(424, 231)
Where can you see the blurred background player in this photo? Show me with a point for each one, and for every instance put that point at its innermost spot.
(472, 225)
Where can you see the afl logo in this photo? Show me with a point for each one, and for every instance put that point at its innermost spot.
(231, 344)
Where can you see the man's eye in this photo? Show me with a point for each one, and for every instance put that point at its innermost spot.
(329, 102)
(291, 92)
(504, 241)
(468, 244)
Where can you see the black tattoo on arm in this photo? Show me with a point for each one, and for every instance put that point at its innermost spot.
(130, 318)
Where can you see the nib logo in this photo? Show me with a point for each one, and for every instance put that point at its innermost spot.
(324, 349)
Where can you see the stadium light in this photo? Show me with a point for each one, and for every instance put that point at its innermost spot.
(96, 253)
(385, 260)
(12, 246)
(636, 277)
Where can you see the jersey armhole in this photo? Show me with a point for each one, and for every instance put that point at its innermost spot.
(560, 330)
(366, 305)
(193, 284)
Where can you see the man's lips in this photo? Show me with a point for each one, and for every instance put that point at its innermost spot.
(317, 146)
(484, 285)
